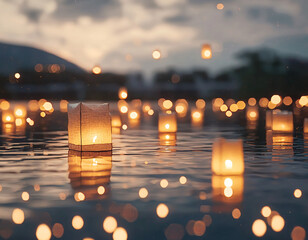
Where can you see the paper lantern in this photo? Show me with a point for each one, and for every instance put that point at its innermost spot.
(282, 121)
(227, 157)
(306, 125)
(167, 139)
(89, 171)
(167, 123)
(206, 52)
(20, 111)
(8, 117)
(252, 113)
(268, 119)
(89, 127)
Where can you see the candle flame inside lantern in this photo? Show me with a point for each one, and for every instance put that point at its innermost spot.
(228, 164)
(94, 139)
(8, 118)
(167, 126)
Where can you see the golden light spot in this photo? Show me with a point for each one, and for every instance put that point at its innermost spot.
(96, 70)
(8, 118)
(164, 183)
(79, 196)
(220, 6)
(162, 210)
(228, 113)
(298, 233)
(183, 180)
(119, 234)
(167, 126)
(236, 213)
(43, 114)
(124, 126)
(25, 196)
(18, 216)
(123, 95)
(276, 99)
(263, 102)
(233, 107)
(5, 105)
(58, 230)
(228, 182)
(228, 164)
(252, 101)
(297, 193)
(303, 101)
(143, 193)
(100, 190)
(47, 106)
(271, 105)
(252, 114)
(277, 223)
(241, 105)
(124, 109)
(196, 115)
(110, 224)
(199, 228)
(259, 228)
(133, 115)
(179, 109)
(19, 112)
(77, 222)
(287, 101)
(207, 53)
(200, 103)
(18, 122)
(266, 211)
(223, 108)
(17, 75)
(43, 232)
(151, 112)
(167, 104)
(156, 54)
(0, 188)
(228, 192)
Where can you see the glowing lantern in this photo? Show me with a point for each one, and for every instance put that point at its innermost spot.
(227, 157)
(8, 117)
(123, 93)
(63, 105)
(123, 106)
(89, 127)
(181, 107)
(167, 139)
(252, 113)
(156, 54)
(282, 121)
(206, 52)
(20, 111)
(197, 117)
(167, 123)
(89, 172)
(116, 124)
(306, 125)
(268, 119)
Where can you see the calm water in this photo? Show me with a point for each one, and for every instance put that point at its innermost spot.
(36, 160)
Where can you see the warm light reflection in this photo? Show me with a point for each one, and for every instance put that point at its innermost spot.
(259, 228)
(156, 54)
(263, 102)
(162, 210)
(277, 223)
(234, 107)
(122, 93)
(216, 104)
(167, 104)
(199, 228)
(143, 193)
(116, 121)
(282, 121)
(164, 183)
(220, 6)
(25, 196)
(120, 234)
(183, 180)
(110, 224)
(43, 232)
(33, 105)
(297, 193)
(276, 99)
(77, 222)
(8, 117)
(63, 105)
(206, 52)
(4, 105)
(18, 216)
(303, 101)
(200, 104)
(287, 101)
(306, 125)
(167, 139)
(266, 211)
(252, 113)
(223, 108)
(167, 123)
(241, 105)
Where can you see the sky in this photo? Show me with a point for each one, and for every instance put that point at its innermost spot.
(120, 35)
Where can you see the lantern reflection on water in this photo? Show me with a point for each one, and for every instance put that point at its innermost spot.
(282, 121)
(8, 117)
(206, 51)
(89, 172)
(167, 139)
(306, 125)
(89, 127)
(252, 113)
(197, 116)
(20, 111)
(167, 123)
(268, 119)
(8, 128)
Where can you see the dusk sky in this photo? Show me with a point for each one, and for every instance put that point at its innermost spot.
(120, 35)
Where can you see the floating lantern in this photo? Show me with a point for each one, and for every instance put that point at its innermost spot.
(268, 119)
(282, 147)
(33, 105)
(116, 124)
(252, 113)
(181, 107)
(89, 127)
(122, 93)
(4, 105)
(8, 117)
(306, 125)
(197, 116)
(20, 111)
(167, 123)
(282, 121)
(123, 106)
(63, 105)
(8, 128)
(227, 157)
(167, 139)
(206, 52)
(89, 173)
(146, 107)
(200, 104)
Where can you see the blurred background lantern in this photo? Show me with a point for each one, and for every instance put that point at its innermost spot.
(167, 123)
(8, 117)
(252, 113)
(227, 157)
(20, 111)
(268, 119)
(206, 51)
(197, 116)
(89, 127)
(123, 93)
(282, 121)
(306, 125)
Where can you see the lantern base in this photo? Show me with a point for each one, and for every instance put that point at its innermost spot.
(91, 148)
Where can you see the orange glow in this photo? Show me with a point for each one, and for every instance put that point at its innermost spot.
(263, 102)
(17, 75)
(5, 105)
(122, 93)
(282, 121)
(120, 234)
(116, 121)
(38, 67)
(146, 107)
(223, 108)
(276, 99)
(287, 101)
(110, 224)
(79, 196)
(101, 190)
(200, 103)
(259, 228)
(20, 111)
(236, 213)
(234, 107)
(18, 216)
(297, 193)
(47, 106)
(271, 105)
(298, 233)
(252, 102)
(206, 52)
(162, 210)
(43, 232)
(25, 196)
(63, 105)
(8, 117)
(124, 126)
(43, 114)
(77, 222)
(124, 109)
(167, 104)
(183, 180)
(241, 105)
(199, 228)
(228, 113)
(96, 70)
(277, 223)
(58, 230)
(266, 211)
(143, 193)
(252, 113)
(33, 105)
(220, 6)
(156, 54)
(133, 115)
(167, 123)
(151, 112)
(303, 101)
